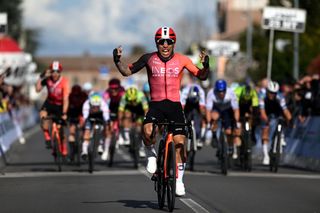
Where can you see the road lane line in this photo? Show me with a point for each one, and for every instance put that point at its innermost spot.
(68, 173)
(258, 175)
(196, 207)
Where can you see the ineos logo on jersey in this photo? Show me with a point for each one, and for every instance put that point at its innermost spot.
(161, 71)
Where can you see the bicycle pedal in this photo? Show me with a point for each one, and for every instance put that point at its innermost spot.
(154, 177)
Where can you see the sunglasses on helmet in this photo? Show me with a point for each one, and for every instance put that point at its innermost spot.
(168, 41)
(55, 71)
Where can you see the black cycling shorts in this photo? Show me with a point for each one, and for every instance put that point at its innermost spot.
(169, 111)
(52, 109)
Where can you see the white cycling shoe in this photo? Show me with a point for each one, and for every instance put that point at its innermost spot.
(151, 164)
(100, 149)
(105, 155)
(180, 190)
(266, 160)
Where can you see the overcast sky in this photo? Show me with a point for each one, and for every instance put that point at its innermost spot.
(70, 27)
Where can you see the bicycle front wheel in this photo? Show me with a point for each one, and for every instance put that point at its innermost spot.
(171, 176)
(161, 183)
(223, 154)
(56, 153)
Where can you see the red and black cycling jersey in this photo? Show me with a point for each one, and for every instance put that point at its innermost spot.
(164, 76)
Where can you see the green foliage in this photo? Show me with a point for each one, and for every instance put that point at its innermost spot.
(282, 64)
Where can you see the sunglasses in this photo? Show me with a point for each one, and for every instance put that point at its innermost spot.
(55, 71)
(168, 41)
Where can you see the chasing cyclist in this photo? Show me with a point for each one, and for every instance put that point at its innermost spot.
(222, 103)
(272, 106)
(95, 107)
(57, 101)
(76, 99)
(132, 109)
(248, 105)
(165, 70)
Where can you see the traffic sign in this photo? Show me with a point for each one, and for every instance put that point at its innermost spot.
(284, 19)
(223, 48)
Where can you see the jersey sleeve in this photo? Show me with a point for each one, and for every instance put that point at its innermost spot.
(255, 99)
(122, 104)
(209, 100)
(184, 95)
(202, 97)
(65, 88)
(105, 111)
(140, 63)
(234, 100)
(282, 101)
(190, 66)
(86, 109)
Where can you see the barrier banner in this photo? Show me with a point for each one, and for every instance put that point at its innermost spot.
(303, 145)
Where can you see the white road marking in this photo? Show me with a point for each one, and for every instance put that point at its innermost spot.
(258, 175)
(196, 207)
(68, 173)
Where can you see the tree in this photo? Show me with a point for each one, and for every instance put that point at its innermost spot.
(282, 64)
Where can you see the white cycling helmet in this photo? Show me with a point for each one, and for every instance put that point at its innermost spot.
(87, 87)
(273, 86)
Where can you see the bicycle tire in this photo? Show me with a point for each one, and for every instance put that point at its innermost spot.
(171, 173)
(134, 146)
(92, 150)
(112, 148)
(277, 154)
(161, 184)
(78, 146)
(223, 154)
(247, 159)
(57, 153)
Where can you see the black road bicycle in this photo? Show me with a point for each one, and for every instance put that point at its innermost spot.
(166, 174)
(96, 131)
(276, 146)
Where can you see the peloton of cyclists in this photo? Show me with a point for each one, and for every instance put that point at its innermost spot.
(164, 70)
(57, 101)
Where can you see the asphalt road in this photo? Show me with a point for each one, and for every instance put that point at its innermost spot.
(31, 183)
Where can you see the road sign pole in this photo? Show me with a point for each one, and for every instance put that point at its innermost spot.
(296, 49)
(271, 38)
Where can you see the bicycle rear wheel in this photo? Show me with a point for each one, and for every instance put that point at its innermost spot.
(112, 148)
(78, 146)
(247, 158)
(161, 184)
(92, 151)
(134, 146)
(277, 154)
(56, 153)
(171, 173)
(223, 154)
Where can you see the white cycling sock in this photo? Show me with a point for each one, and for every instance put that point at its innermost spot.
(203, 130)
(181, 167)
(265, 149)
(106, 144)
(126, 133)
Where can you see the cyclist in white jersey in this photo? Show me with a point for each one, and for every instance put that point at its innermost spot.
(222, 103)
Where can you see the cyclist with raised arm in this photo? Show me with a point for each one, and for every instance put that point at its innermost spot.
(76, 99)
(95, 107)
(272, 106)
(57, 101)
(222, 103)
(165, 70)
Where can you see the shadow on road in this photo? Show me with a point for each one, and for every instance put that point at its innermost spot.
(136, 204)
